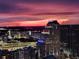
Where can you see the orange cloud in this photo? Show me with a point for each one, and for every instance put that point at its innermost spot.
(24, 23)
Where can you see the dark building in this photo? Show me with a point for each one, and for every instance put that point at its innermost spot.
(68, 36)
(53, 43)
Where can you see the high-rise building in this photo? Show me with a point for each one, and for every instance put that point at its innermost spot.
(64, 37)
(69, 35)
(53, 43)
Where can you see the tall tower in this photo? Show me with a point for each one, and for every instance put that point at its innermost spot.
(54, 38)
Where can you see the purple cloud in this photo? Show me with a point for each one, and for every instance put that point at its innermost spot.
(57, 13)
(38, 8)
(12, 8)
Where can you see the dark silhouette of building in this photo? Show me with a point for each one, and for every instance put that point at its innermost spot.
(68, 35)
(53, 43)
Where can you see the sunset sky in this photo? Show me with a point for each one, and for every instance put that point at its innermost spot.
(25, 12)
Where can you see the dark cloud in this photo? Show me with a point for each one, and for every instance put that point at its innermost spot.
(57, 13)
(51, 1)
(19, 19)
(4, 8)
(23, 18)
(7, 6)
(42, 1)
(11, 8)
